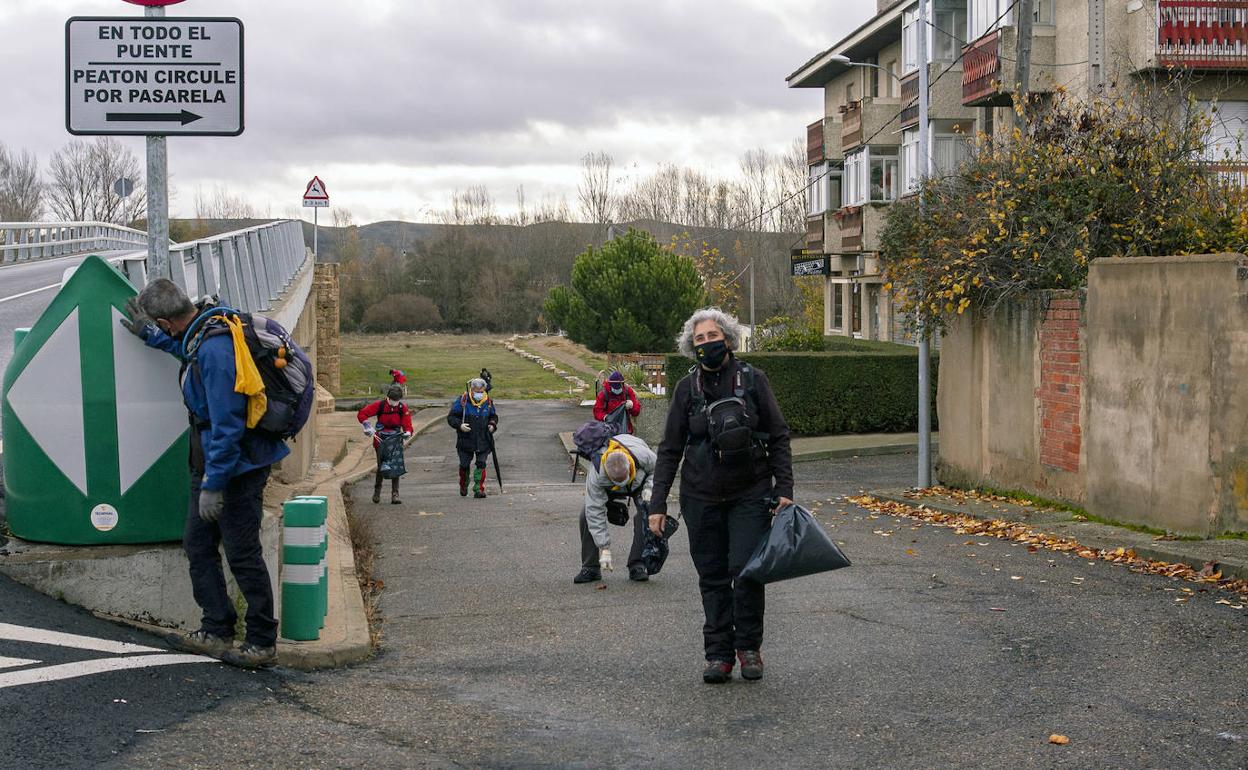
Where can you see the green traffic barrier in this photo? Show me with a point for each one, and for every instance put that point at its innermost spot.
(324, 503)
(19, 334)
(95, 432)
(303, 601)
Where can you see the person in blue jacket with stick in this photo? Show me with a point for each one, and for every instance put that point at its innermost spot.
(474, 419)
(229, 469)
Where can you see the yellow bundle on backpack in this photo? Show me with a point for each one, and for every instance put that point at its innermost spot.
(246, 376)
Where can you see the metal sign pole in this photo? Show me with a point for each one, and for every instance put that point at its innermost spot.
(316, 231)
(157, 196)
(925, 388)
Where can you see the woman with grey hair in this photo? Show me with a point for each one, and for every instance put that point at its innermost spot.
(725, 424)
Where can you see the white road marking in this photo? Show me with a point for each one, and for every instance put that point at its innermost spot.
(42, 636)
(28, 293)
(98, 666)
(15, 662)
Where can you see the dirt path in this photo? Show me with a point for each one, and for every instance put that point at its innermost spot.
(549, 348)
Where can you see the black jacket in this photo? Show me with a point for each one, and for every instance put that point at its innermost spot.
(703, 479)
(480, 418)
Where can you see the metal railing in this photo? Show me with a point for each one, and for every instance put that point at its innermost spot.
(1208, 34)
(246, 269)
(27, 241)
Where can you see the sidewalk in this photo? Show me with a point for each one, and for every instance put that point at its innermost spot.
(1229, 556)
(345, 638)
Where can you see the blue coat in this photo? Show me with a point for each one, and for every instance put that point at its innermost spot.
(221, 414)
(479, 417)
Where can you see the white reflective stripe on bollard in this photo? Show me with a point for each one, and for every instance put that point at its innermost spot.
(301, 574)
(308, 537)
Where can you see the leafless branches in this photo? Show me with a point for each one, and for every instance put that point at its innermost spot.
(80, 182)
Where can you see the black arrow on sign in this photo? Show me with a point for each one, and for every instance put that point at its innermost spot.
(183, 117)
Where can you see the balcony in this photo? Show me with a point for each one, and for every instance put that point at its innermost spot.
(873, 119)
(814, 234)
(910, 100)
(851, 228)
(814, 143)
(990, 68)
(1202, 34)
(1231, 172)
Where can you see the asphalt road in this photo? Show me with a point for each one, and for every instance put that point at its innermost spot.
(933, 650)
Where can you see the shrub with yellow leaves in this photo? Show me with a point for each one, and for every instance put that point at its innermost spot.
(1101, 177)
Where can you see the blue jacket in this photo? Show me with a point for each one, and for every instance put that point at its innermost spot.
(480, 418)
(221, 414)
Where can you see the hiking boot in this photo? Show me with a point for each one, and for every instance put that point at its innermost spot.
(751, 664)
(478, 494)
(717, 671)
(200, 642)
(249, 655)
(638, 572)
(394, 499)
(377, 490)
(587, 575)
(377, 496)
(463, 482)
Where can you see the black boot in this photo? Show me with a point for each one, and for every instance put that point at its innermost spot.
(394, 492)
(377, 489)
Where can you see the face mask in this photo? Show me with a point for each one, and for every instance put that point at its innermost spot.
(617, 389)
(392, 402)
(478, 397)
(712, 354)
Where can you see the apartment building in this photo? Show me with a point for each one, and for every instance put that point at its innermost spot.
(863, 151)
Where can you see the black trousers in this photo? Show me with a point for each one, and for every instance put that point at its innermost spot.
(589, 549)
(238, 531)
(466, 455)
(722, 537)
(394, 482)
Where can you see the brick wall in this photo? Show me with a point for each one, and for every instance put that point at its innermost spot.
(328, 364)
(1061, 384)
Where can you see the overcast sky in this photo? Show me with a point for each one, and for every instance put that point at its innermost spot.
(397, 103)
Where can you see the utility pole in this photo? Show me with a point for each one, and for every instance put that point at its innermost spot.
(157, 194)
(925, 404)
(753, 328)
(1025, 19)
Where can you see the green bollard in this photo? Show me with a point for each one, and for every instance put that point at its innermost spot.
(302, 602)
(19, 334)
(324, 580)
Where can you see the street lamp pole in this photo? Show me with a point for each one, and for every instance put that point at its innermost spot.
(925, 401)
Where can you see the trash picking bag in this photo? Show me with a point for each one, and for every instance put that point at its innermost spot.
(655, 549)
(795, 546)
(390, 464)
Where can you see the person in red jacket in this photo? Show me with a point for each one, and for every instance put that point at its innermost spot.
(614, 393)
(392, 415)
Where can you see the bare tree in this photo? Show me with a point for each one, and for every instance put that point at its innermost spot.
(791, 179)
(595, 192)
(754, 192)
(474, 206)
(80, 183)
(220, 204)
(21, 190)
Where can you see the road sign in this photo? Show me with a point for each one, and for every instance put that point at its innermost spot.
(816, 266)
(316, 195)
(154, 76)
(153, 3)
(95, 433)
(123, 187)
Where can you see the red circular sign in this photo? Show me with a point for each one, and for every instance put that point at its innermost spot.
(153, 2)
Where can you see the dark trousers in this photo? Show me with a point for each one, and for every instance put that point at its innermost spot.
(465, 457)
(589, 549)
(394, 482)
(722, 537)
(238, 530)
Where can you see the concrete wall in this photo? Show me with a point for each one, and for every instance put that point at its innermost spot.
(1168, 359)
(1129, 402)
(328, 337)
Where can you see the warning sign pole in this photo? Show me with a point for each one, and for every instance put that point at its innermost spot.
(157, 194)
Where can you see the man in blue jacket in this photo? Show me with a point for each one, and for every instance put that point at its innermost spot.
(229, 468)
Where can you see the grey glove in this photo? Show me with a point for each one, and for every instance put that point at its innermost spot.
(211, 501)
(138, 322)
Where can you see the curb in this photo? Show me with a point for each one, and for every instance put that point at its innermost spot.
(1231, 556)
(865, 451)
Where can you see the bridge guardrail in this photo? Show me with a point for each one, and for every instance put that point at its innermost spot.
(27, 241)
(247, 269)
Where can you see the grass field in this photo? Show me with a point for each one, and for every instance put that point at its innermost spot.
(438, 365)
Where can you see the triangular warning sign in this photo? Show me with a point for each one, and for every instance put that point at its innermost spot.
(316, 190)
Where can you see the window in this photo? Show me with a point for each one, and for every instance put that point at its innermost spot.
(816, 201)
(987, 15)
(851, 93)
(910, 159)
(946, 33)
(1042, 12)
(1228, 132)
(949, 152)
(871, 175)
(891, 83)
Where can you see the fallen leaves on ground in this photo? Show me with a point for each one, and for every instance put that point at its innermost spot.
(1060, 740)
(1022, 533)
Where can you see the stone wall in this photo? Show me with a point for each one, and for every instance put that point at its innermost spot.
(328, 338)
(1128, 401)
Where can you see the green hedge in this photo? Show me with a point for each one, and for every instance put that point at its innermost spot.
(843, 392)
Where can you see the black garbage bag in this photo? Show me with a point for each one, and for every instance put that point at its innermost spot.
(795, 546)
(655, 549)
(390, 462)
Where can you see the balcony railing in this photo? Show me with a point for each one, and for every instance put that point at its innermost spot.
(1202, 34)
(981, 70)
(1233, 173)
(814, 143)
(910, 100)
(814, 234)
(851, 228)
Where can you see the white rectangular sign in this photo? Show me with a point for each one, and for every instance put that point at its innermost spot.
(149, 76)
(315, 203)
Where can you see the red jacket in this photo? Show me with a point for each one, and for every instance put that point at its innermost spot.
(388, 417)
(608, 401)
